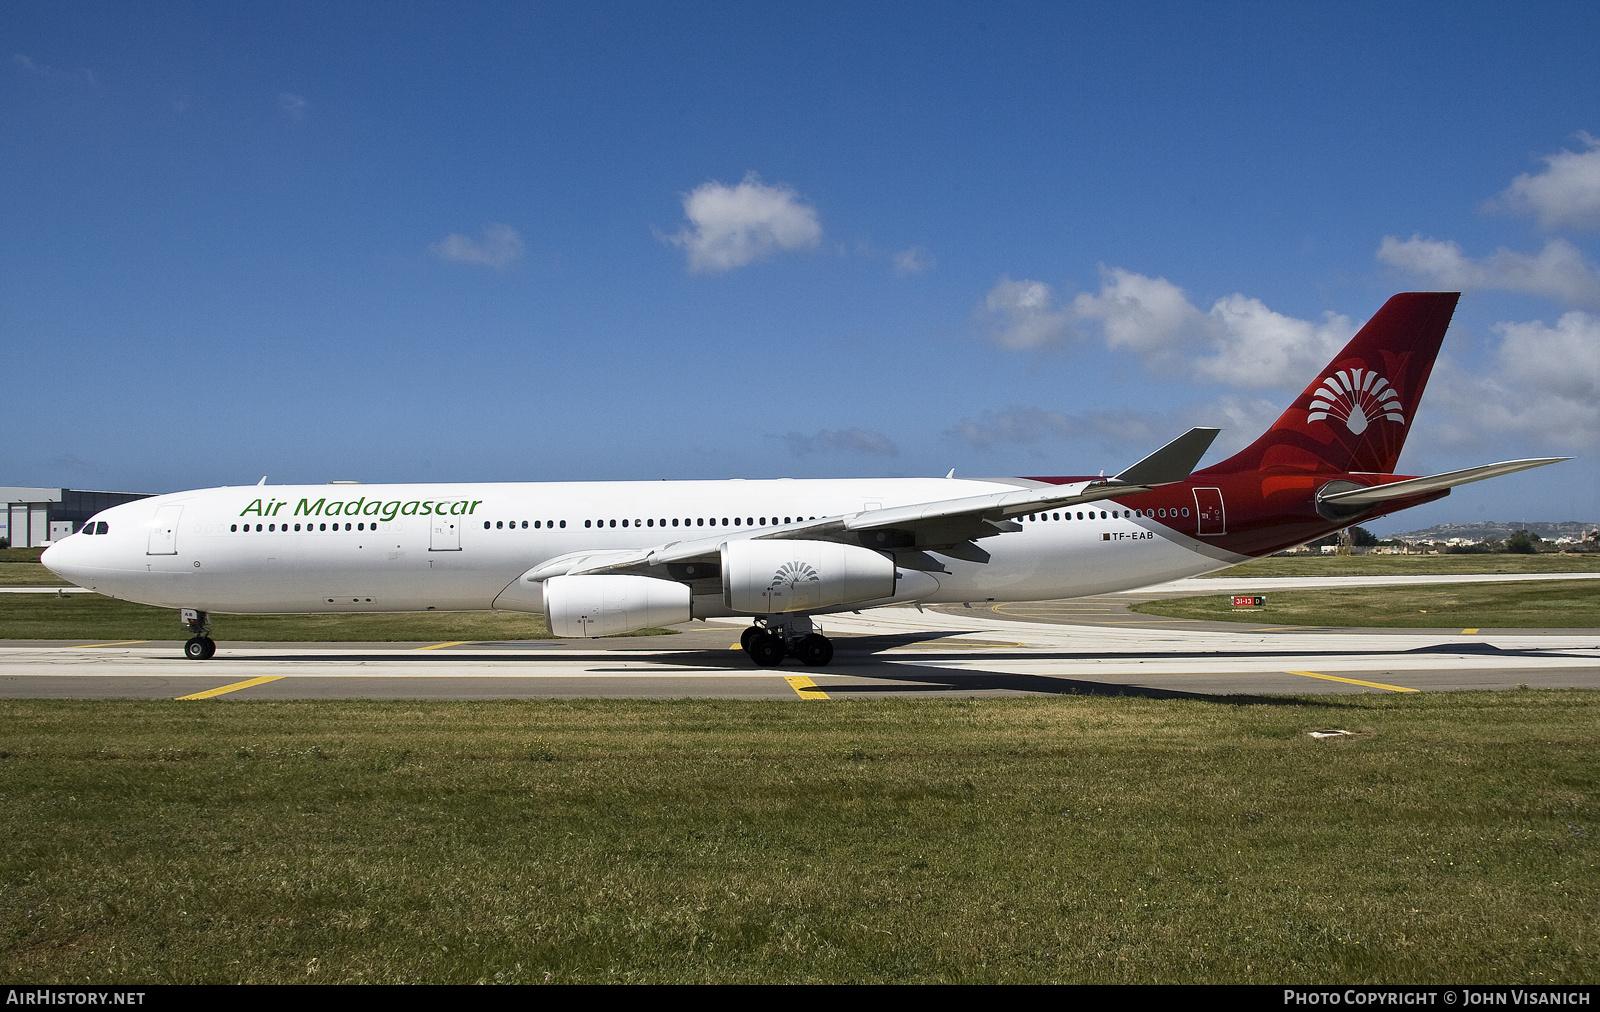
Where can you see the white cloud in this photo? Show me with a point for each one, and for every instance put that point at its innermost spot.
(865, 441)
(1252, 346)
(1148, 316)
(28, 65)
(1561, 361)
(293, 106)
(1567, 192)
(1132, 433)
(1559, 270)
(499, 247)
(1015, 425)
(1238, 341)
(1022, 315)
(730, 226)
(1543, 385)
(911, 261)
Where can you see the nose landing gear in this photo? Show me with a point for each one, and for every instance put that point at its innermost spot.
(771, 639)
(200, 647)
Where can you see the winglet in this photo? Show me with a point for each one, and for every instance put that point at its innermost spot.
(1173, 462)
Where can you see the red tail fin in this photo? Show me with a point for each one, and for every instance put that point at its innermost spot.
(1356, 414)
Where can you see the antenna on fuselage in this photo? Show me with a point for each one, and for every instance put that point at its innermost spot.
(263, 480)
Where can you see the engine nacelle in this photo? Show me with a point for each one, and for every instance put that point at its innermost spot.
(579, 606)
(773, 577)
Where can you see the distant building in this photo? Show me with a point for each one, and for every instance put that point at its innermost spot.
(37, 516)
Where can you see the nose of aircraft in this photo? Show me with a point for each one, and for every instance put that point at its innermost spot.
(66, 559)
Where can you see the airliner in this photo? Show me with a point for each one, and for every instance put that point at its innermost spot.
(604, 558)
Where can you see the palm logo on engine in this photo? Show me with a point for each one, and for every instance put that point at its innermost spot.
(791, 574)
(1356, 397)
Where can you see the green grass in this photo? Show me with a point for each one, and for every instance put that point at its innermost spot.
(1552, 604)
(1413, 565)
(20, 567)
(90, 616)
(1063, 839)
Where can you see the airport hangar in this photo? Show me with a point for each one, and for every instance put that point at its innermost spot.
(35, 517)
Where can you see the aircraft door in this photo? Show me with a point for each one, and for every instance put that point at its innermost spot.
(1208, 507)
(164, 538)
(446, 536)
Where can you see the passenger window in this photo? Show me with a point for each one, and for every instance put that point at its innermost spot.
(624, 523)
(650, 523)
(674, 521)
(613, 523)
(486, 525)
(1186, 511)
(234, 528)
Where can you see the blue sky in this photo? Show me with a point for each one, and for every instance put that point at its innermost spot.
(397, 242)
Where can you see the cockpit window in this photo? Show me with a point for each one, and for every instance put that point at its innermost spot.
(101, 527)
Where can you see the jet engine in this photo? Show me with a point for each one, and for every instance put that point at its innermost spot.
(579, 606)
(772, 577)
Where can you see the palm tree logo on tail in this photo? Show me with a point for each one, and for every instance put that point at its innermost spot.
(1357, 397)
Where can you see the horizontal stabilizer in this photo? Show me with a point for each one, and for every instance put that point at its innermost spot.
(1433, 483)
(1173, 462)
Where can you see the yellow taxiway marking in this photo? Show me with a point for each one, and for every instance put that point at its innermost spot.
(1468, 632)
(119, 643)
(441, 646)
(1355, 681)
(930, 644)
(235, 687)
(804, 687)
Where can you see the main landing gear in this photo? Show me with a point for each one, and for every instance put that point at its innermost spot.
(201, 647)
(770, 640)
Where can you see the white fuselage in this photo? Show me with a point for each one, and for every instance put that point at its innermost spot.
(392, 548)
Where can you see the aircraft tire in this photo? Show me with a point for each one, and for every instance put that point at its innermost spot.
(749, 634)
(767, 650)
(211, 648)
(195, 649)
(815, 650)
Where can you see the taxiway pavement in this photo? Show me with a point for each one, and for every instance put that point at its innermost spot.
(1086, 646)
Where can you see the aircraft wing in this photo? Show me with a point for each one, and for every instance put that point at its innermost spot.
(1432, 483)
(948, 527)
